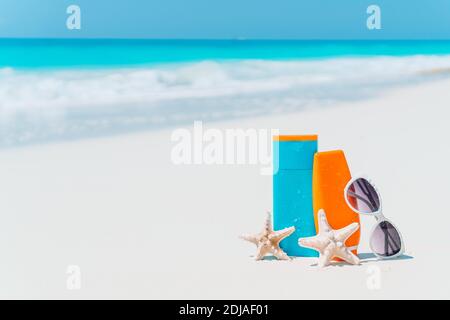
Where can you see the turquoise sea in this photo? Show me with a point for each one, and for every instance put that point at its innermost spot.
(67, 53)
(53, 89)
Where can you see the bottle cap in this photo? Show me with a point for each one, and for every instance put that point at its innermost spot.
(294, 152)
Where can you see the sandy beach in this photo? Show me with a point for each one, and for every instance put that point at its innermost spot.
(139, 227)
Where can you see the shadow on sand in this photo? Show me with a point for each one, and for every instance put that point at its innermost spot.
(367, 258)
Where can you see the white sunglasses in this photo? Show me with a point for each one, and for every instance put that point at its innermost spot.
(361, 196)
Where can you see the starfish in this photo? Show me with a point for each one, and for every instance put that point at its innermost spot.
(331, 243)
(268, 240)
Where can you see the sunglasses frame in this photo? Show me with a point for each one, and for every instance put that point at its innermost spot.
(379, 217)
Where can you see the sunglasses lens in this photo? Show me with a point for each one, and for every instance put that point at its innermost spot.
(363, 197)
(386, 241)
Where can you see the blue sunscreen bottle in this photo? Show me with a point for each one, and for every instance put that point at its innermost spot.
(292, 190)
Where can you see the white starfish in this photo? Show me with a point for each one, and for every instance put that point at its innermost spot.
(268, 240)
(331, 243)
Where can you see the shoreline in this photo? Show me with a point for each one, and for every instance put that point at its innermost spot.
(73, 104)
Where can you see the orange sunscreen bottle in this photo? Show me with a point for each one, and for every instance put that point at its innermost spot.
(330, 176)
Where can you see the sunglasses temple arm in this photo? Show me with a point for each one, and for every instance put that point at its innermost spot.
(393, 241)
(366, 191)
(362, 199)
(386, 242)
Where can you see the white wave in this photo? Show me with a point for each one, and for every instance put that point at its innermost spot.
(91, 88)
(35, 101)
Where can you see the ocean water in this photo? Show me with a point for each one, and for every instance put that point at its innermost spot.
(71, 89)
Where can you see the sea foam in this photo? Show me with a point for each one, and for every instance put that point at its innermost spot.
(37, 105)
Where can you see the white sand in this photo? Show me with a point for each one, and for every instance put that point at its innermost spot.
(140, 227)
